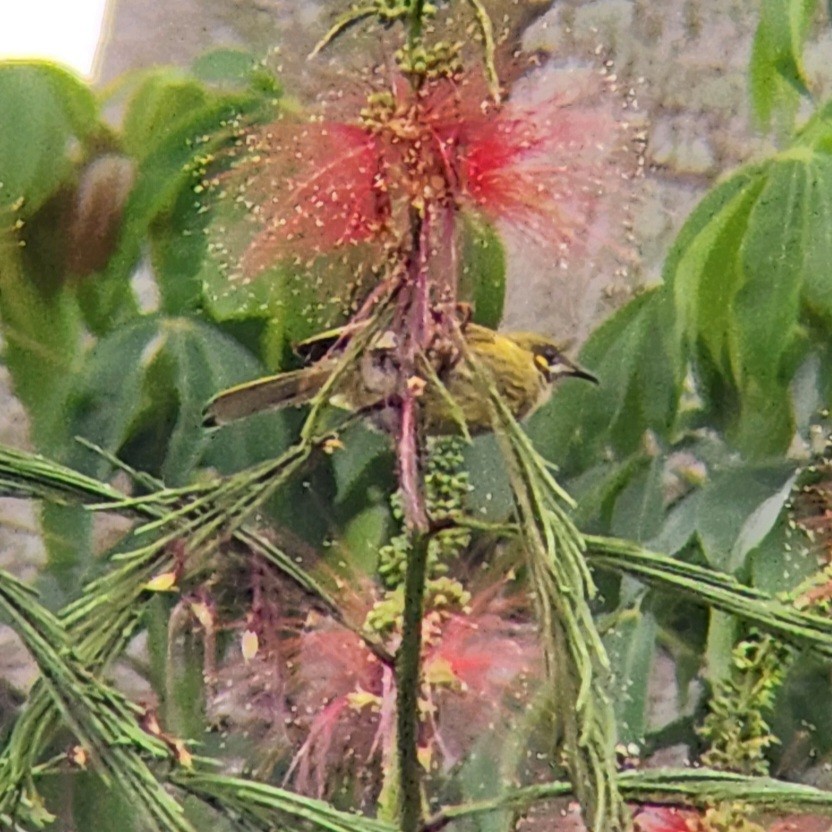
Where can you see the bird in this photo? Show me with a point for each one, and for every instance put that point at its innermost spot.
(525, 367)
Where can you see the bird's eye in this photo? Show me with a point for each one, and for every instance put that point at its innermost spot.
(542, 363)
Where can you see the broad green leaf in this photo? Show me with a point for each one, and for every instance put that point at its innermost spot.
(762, 520)
(483, 275)
(308, 301)
(778, 77)
(97, 806)
(816, 242)
(225, 66)
(363, 536)
(801, 716)
(175, 164)
(765, 308)
(678, 526)
(816, 133)
(704, 270)
(631, 647)
(106, 304)
(178, 248)
(67, 535)
(639, 510)
(205, 362)
(782, 560)
(735, 506)
(249, 441)
(738, 271)
(108, 402)
(354, 465)
(298, 301)
(635, 356)
(42, 333)
(597, 489)
(152, 379)
(44, 108)
(717, 204)
(490, 498)
(156, 109)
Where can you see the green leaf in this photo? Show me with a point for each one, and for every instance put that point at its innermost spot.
(44, 108)
(225, 66)
(297, 300)
(178, 248)
(42, 332)
(153, 378)
(363, 536)
(737, 507)
(751, 253)
(639, 367)
(490, 498)
(773, 249)
(483, 278)
(596, 491)
(631, 647)
(205, 362)
(95, 806)
(678, 527)
(172, 166)
(778, 76)
(305, 302)
(816, 248)
(781, 561)
(816, 133)
(703, 269)
(639, 509)
(352, 463)
(165, 100)
(107, 404)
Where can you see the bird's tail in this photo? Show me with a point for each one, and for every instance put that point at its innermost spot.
(270, 393)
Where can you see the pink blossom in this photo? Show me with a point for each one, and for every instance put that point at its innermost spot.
(542, 167)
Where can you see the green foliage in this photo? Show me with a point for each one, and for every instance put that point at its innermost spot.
(44, 109)
(777, 75)
(483, 279)
(681, 460)
(631, 647)
(736, 728)
(640, 369)
(748, 276)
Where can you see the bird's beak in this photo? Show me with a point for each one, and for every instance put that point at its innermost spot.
(577, 372)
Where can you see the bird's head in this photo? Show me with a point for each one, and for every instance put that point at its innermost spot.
(549, 359)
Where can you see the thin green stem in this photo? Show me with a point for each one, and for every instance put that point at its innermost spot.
(408, 665)
(417, 13)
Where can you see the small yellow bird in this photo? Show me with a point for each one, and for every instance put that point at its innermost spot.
(524, 366)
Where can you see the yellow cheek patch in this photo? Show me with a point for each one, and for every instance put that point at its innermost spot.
(542, 363)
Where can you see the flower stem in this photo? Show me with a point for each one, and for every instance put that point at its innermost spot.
(417, 12)
(408, 663)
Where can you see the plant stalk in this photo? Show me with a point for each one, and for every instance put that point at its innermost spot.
(408, 665)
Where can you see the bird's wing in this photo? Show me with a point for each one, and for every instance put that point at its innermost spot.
(272, 392)
(315, 348)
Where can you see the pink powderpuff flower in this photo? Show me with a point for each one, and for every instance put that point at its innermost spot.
(314, 188)
(667, 819)
(544, 167)
(476, 664)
